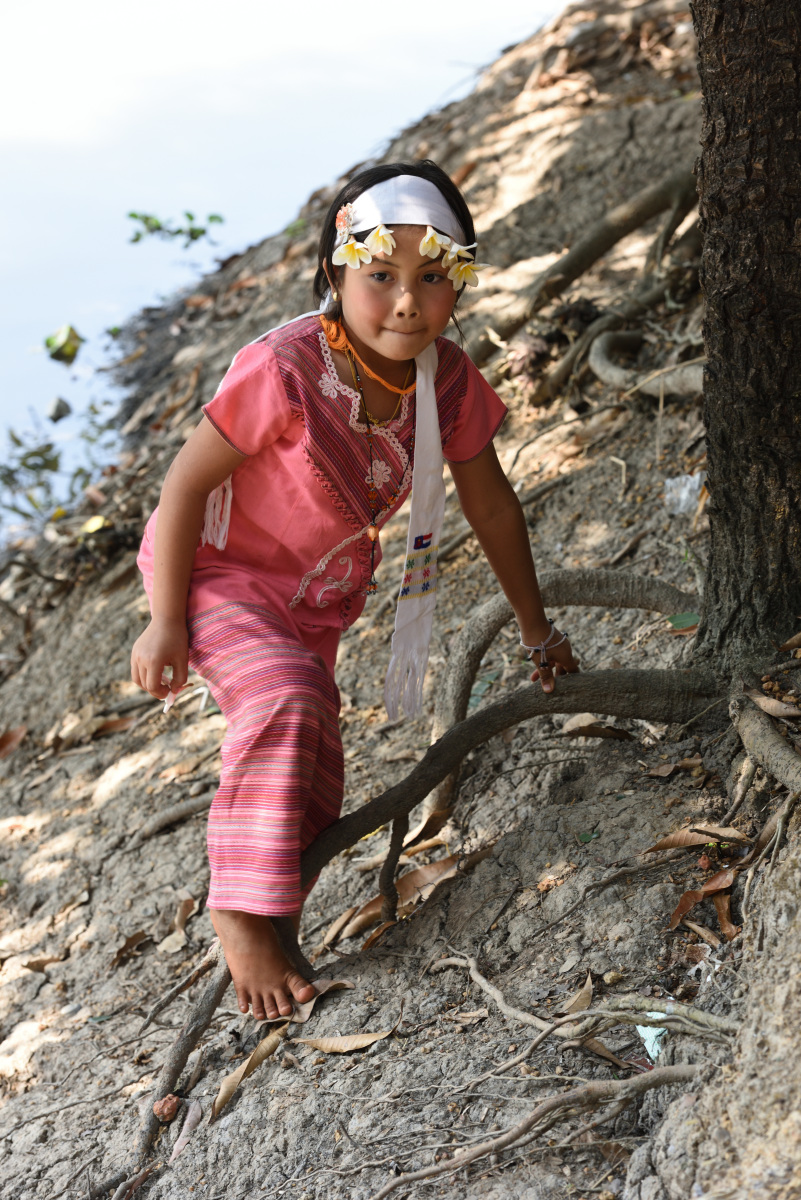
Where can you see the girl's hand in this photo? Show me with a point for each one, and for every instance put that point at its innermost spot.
(165, 643)
(560, 662)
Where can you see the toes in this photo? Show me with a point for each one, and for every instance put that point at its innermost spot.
(301, 989)
(243, 999)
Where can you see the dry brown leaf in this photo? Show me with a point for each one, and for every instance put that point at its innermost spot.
(793, 643)
(586, 725)
(579, 1000)
(302, 1012)
(413, 886)
(703, 932)
(428, 827)
(722, 903)
(697, 837)
(128, 946)
(467, 1019)
(185, 767)
(773, 707)
(177, 939)
(116, 725)
(191, 1121)
(11, 739)
(264, 1050)
(664, 771)
(45, 960)
(331, 936)
(719, 881)
(347, 1043)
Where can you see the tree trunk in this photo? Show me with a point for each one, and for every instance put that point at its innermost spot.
(749, 183)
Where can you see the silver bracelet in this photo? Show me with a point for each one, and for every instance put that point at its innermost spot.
(542, 647)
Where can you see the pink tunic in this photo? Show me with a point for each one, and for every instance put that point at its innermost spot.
(297, 540)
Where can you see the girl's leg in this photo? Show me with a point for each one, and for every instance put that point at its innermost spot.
(280, 785)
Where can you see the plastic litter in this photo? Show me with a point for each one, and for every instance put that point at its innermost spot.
(682, 492)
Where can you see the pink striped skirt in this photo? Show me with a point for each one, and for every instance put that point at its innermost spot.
(283, 774)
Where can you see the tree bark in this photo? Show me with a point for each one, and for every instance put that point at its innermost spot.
(749, 183)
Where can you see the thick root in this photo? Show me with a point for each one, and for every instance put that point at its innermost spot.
(599, 238)
(764, 744)
(650, 695)
(685, 379)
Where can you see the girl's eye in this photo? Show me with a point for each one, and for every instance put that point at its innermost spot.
(380, 276)
(433, 277)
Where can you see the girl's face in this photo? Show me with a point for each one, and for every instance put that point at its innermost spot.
(393, 307)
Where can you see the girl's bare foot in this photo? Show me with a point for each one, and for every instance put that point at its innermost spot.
(263, 977)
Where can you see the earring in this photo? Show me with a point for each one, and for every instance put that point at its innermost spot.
(335, 295)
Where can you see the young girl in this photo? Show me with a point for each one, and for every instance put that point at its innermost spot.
(266, 539)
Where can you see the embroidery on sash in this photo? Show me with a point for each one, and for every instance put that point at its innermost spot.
(420, 571)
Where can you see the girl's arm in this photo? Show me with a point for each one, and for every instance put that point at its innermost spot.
(493, 510)
(201, 465)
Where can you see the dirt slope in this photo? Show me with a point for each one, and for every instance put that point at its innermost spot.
(561, 128)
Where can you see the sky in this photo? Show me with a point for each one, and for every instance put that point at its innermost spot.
(241, 109)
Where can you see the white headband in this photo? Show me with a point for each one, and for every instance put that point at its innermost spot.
(405, 200)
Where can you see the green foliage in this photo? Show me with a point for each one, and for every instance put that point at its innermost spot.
(64, 344)
(32, 484)
(295, 228)
(191, 232)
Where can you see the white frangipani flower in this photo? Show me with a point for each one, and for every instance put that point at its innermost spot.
(455, 252)
(380, 241)
(434, 242)
(352, 254)
(465, 271)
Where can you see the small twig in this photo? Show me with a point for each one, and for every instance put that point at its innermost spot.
(620, 463)
(49, 1112)
(129, 1186)
(698, 716)
(210, 959)
(741, 789)
(589, 1096)
(83, 1167)
(168, 816)
(386, 879)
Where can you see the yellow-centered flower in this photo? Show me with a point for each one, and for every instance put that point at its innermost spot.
(434, 242)
(380, 241)
(465, 271)
(352, 254)
(455, 252)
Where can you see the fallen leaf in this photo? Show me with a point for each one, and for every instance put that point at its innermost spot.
(302, 1012)
(579, 1000)
(703, 932)
(697, 836)
(128, 946)
(586, 838)
(586, 725)
(378, 933)
(421, 847)
(191, 1122)
(11, 739)
(467, 1019)
(429, 826)
(773, 707)
(722, 903)
(664, 770)
(177, 939)
(265, 1049)
(45, 960)
(331, 936)
(116, 725)
(185, 767)
(685, 620)
(719, 881)
(792, 643)
(347, 1043)
(413, 886)
(173, 942)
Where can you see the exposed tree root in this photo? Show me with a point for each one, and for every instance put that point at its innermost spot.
(764, 744)
(169, 816)
(635, 306)
(606, 589)
(650, 695)
(616, 1091)
(386, 880)
(685, 379)
(599, 238)
(211, 959)
(741, 789)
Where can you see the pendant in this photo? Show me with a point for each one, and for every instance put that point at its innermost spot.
(372, 532)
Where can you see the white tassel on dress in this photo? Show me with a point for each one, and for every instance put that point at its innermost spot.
(218, 516)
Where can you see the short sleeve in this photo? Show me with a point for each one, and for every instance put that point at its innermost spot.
(478, 420)
(250, 409)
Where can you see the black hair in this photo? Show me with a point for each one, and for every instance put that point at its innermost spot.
(423, 169)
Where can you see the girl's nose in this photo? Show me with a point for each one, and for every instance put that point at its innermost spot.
(407, 304)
